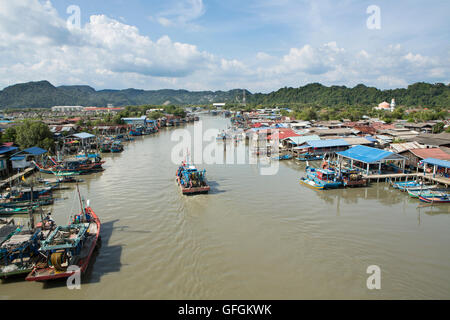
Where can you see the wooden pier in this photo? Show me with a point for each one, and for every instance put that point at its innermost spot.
(408, 176)
(11, 180)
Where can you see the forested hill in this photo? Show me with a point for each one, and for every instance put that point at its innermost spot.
(43, 94)
(418, 94)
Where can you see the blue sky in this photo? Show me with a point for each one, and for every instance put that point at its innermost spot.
(210, 45)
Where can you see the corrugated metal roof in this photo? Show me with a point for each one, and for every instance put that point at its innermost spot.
(35, 151)
(83, 135)
(326, 143)
(436, 162)
(369, 155)
(302, 139)
(7, 149)
(357, 141)
(402, 147)
(435, 153)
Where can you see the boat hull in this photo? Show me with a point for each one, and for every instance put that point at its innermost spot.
(50, 273)
(193, 190)
(434, 199)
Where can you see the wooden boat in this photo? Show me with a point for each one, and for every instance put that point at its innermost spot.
(42, 201)
(435, 198)
(323, 177)
(352, 178)
(20, 253)
(70, 245)
(396, 185)
(5, 211)
(191, 180)
(283, 157)
(311, 183)
(79, 165)
(7, 229)
(310, 157)
(424, 192)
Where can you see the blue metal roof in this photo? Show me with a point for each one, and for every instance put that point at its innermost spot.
(302, 139)
(371, 139)
(35, 151)
(83, 135)
(15, 158)
(7, 149)
(436, 162)
(326, 143)
(369, 155)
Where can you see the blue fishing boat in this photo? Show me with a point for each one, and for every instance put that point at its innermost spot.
(435, 198)
(405, 184)
(311, 183)
(326, 178)
(191, 180)
(309, 157)
(283, 157)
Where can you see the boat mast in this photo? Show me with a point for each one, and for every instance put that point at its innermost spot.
(81, 201)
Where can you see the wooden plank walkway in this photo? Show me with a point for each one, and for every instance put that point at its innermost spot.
(26, 172)
(408, 176)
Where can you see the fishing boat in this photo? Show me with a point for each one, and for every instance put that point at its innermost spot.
(191, 180)
(327, 178)
(72, 166)
(283, 157)
(435, 198)
(116, 147)
(415, 193)
(7, 229)
(353, 178)
(309, 157)
(404, 184)
(16, 195)
(19, 254)
(5, 211)
(43, 201)
(69, 245)
(311, 183)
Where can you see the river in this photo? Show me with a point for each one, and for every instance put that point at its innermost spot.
(253, 237)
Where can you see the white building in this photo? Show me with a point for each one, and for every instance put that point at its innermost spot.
(67, 109)
(219, 106)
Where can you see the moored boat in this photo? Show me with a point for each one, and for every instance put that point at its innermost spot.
(327, 178)
(435, 198)
(68, 246)
(309, 157)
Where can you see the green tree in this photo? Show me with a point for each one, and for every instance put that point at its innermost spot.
(34, 134)
(9, 135)
(438, 127)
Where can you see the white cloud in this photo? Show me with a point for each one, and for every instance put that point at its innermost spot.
(181, 13)
(107, 53)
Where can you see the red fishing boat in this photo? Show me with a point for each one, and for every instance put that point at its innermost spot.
(68, 247)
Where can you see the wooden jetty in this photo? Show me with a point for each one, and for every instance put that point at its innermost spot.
(408, 176)
(11, 180)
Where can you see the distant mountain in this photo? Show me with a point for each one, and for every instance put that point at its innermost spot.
(418, 94)
(44, 95)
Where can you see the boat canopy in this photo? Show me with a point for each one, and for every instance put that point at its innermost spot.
(369, 155)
